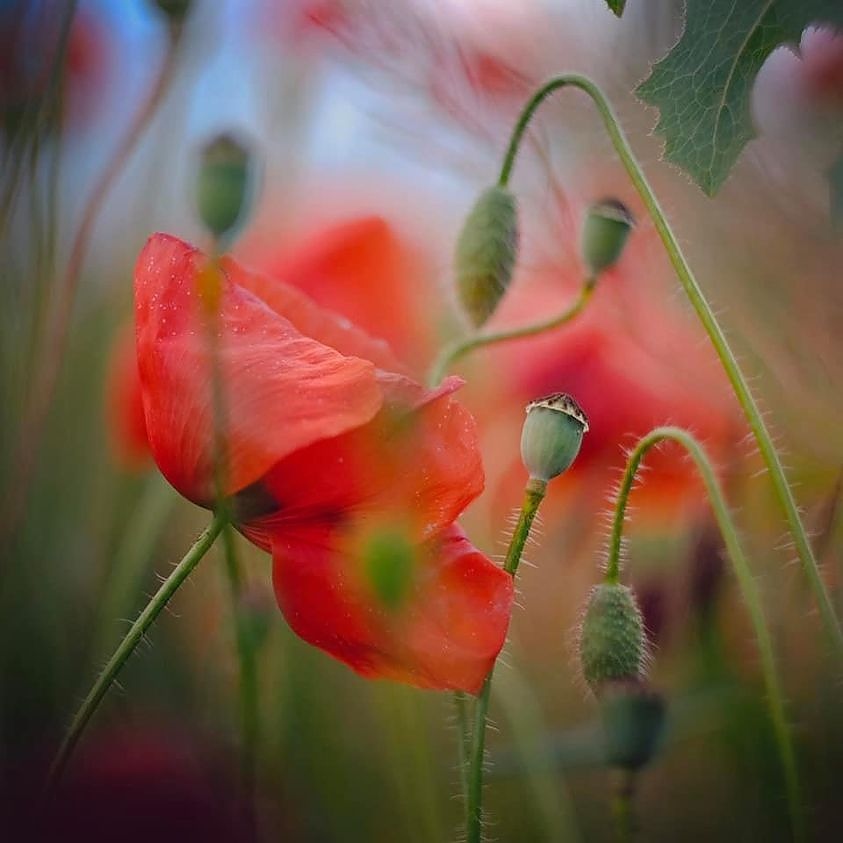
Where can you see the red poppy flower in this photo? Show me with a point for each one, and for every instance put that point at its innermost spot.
(327, 444)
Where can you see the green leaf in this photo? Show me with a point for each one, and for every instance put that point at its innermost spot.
(702, 87)
(617, 6)
(835, 181)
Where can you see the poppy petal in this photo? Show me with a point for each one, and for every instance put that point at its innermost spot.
(419, 455)
(311, 319)
(445, 634)
(281, 390)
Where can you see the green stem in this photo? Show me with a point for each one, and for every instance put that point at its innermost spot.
(458, 349)
(127, 646)
(463, 743)
(248, 667)
(781, 487)
(533, 496)
(747, 584)
(50, 359)
(622, 807)
(131, 560)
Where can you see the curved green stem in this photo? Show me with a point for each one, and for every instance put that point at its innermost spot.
(781, 487)
(749, 589)
(131, 560)
(533, 496)
(50, 359)
(127, 646)
(453, 352)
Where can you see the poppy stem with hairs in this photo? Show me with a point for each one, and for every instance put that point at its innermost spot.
(453, 352)
(774, 697)
(701, 306)
(127, 646)
(533, 496)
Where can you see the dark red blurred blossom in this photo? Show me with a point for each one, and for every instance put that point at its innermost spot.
(326, 438)
(141, 783)
(29, 43)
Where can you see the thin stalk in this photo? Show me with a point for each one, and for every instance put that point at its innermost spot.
(533, 496)
(127, 646)
(131, 560)
(51, 357)
(623, 810)
(781, 487)
(743, 573)
(463, 743)
(458, 349)
(248, 668)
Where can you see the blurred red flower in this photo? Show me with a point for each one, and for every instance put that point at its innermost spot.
(124, 403)
(327, 445)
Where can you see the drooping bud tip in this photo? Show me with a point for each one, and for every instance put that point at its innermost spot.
(608, 224)
(485, 254)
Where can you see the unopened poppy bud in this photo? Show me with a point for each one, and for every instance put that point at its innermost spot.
(175, 10)
(552, 435)
(607, 227)
(633, 718)
(485, 253)
(612, 644)
(223, 184)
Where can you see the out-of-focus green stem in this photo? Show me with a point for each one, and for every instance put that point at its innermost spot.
(774, 695)
(131, 561)
(768, 451)
(49, 361)
(127, 646)
(533, 496)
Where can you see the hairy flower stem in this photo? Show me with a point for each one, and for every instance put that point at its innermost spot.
(770, 455)
(127, 646)
(451, 353)
(774, 695)
(623, 806)
(533, 496)
(46, 374)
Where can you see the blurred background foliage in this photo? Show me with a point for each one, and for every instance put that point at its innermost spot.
(375, 125)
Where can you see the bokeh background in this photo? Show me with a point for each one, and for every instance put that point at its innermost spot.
(374, 125)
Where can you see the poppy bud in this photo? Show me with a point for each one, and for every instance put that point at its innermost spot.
(612, 645)
(552, 435)
(223, 184)
(485, 254)
(175, 10)
(633, 718)
(606, 229)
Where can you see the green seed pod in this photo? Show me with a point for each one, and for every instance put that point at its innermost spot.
(223, 184)
(485, 253)
(552, 435)
(612, 643)
(604, 235)
(633, 718)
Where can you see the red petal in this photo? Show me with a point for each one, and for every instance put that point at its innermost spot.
(312, 320)
(363, 269)
(124, 403)
(446, 634)
(418, 456)
(282, 390)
